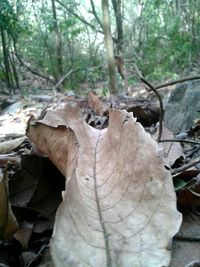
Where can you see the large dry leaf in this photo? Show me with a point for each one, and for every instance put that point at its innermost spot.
(119, 207)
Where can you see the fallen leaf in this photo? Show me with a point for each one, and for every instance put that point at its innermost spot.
(8, 223)
(173, 151)
(4, 159)
(119, 205)
(35, 191)
(8, 146)
(147, 116)
(23, 235)
(185, 249)
(187, 175)
(184, 179)
(190, 197)
(95, 103)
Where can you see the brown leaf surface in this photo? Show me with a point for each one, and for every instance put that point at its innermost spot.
(95, 103)
(8, 223)
(119, 207)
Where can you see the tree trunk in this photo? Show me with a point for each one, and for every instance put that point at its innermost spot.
(109, 46)
(14, 70)
(58, 41)
(6, 59)
(117, 6)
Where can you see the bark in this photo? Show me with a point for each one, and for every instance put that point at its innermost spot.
(109, 46)
(58, 41)
(118, 16)
(15, 74)
(6, 59)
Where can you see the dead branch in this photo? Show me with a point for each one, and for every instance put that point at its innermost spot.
(78, 17)
(186, 166)
(190, 78)
(63, 78)
(31, 70)
(95, 14)
(161, 110)
(180, 141)
(5, 159)
(187, 238)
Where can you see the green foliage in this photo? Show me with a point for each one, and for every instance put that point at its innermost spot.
(161, 36)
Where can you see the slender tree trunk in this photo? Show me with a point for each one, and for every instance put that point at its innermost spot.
(14, 70)
(45, 43)
(117, 6)
(109, 46)
(58, 41)
(6, 60)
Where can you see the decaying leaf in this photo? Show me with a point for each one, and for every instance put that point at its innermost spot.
(8, 223)
(95, 103)
(190, 197)
(119, 206)
(172, 150)
(8, 146)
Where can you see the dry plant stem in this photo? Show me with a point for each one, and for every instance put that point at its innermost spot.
(193, 192)
(180, 141)
(63, 78)
(32, 70)
(161, 111)
(39, 254)
(178, 81)
(4, 159)
(186, 166)
(187, 238)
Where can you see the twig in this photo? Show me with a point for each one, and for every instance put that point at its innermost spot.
(187, 238)
(138, 71)
(38, 256)
(180, 141)
(192, 192)
(190, 78)
(186, 166)
(82, 19)
(4, 159)
(95, 14)
(63, 78)
(161, 110)
(31, 70)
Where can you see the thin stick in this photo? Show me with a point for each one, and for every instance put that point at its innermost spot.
(63, 78)
(180, 141)
(177, 81)
(186, 166)
(187, 238)
(161, 110)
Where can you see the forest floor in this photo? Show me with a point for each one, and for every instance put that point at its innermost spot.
(34, 195)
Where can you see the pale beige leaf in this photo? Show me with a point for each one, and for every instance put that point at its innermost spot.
(8, 146)
(119, 207)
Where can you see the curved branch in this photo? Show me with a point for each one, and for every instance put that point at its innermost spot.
(161, 110)
(95, 14)
(186, 166)
(190, 78)
(33, 71)
(180, 141)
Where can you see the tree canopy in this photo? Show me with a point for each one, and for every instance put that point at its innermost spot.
(54, 38)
